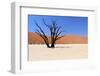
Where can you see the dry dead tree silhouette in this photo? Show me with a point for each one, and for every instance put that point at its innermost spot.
(55, 33)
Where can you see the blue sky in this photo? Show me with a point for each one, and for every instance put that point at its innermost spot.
(71, 25)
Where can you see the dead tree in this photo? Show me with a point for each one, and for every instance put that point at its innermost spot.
(41, 33)
(55, 33)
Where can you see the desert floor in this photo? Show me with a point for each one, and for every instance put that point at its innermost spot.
(61, 51)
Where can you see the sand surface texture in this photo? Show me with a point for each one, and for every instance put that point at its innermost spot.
(61, 51)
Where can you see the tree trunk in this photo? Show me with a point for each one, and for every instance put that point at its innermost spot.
(52, 45)
(48, 45)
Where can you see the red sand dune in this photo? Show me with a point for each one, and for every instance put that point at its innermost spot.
(33, 38)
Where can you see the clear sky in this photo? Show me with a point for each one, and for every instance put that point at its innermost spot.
(71, 25)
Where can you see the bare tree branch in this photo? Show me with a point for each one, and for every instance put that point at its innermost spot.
(46, 24)
(60, 37)
(55, 33)
(42, 34)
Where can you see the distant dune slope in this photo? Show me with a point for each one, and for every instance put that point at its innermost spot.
(33, 38)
